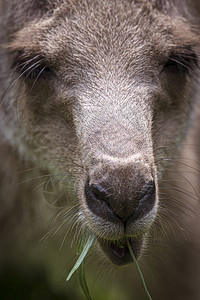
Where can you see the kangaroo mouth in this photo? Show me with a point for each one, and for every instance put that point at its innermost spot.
(117, 251)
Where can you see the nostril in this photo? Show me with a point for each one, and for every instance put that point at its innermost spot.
(97, 199)
(147, 199)
(98, 192)
(148, 189)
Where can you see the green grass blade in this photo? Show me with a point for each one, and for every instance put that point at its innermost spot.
(138, 268)
(82, 256)
(83, 282)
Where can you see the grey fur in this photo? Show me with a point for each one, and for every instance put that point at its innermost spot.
(110, 110)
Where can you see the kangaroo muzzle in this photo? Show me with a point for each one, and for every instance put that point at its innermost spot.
(120, 201)
(122, 194)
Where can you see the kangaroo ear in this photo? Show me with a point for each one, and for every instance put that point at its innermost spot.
(25, 11)
(30, 6)
(186, 8)
(196, 5)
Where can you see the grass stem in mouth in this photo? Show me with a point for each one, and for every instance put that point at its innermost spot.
(119, 244)
(138, 268)
(83, 282)
(85, 250)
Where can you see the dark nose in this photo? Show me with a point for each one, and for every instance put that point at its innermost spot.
(122, 203)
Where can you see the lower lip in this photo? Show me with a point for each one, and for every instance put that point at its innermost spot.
(120, 255)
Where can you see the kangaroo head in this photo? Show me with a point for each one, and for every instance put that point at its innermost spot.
(104, 90)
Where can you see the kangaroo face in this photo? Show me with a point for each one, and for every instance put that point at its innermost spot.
(103, 90)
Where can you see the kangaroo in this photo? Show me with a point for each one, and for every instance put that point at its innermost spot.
(99, 96)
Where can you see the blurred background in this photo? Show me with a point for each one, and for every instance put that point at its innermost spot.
(33, 267)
